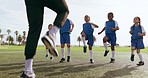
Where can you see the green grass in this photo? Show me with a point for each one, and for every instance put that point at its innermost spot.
(12, 64)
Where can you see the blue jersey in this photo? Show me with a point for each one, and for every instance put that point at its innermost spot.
(108, 26)
(87, 29)
(66, 27)
(135, 30)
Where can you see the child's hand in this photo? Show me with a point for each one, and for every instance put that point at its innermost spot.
(139, 34)
(70, 30)
(111, 28)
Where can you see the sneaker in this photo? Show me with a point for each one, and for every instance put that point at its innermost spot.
(112, 60)
(62, 60)
(68, 58)
(46, 55)
(51, 58)
(105, 54)
(85, 49)
(50, 43)
(27, 75)
(132, 57)
(91, 61)
(140, 63)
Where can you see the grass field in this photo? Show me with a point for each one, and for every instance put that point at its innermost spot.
(12, 64)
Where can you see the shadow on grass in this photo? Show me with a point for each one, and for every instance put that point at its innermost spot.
(120, 72)
(71, 68)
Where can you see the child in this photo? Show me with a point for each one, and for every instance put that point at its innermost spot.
(110, 30)
(47, 50)
(84, 43)
(88, 29)
(65, 38)
(137, 31)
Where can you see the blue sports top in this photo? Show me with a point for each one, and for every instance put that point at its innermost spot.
(87, 29)
(108, 26)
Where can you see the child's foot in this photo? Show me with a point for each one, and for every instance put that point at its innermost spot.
(91, 61)
(50, 43)
(62, 60)
(46, 55)
(140, 63)
(112, 60)
(85, 49)
(105, 54)
(68, 58)
(51, 58)
(27, 75)
(132, 57)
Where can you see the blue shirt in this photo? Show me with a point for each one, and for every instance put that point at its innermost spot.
(108, 26)
(66, 27)
(135, 30)
(87, 29)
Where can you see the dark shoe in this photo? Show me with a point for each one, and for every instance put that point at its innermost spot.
(23, 75)
(85, 49)
(68, 58)
(132, 57)
(91, 61)
(51, 58)
(46, 55)
(140, 63)
(105, 54)
(62, 60)
(112, 60)
(27, 75)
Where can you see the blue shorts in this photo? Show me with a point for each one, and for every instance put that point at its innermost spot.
(111, 39)
(138, 44)
(90, 39)
(65, 38)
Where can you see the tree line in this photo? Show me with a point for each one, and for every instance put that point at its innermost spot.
(20, 39)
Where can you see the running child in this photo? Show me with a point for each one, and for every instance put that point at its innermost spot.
(110, 35)
(137, 31)
(88, 29)
(65, 39)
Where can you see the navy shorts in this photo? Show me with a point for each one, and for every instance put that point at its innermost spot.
(111, 39)
(65, 38)
(138, 44)
(90, 39)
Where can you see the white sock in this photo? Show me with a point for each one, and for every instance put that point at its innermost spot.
(132, 52)
(47, 51)
(62, 51)
(91, 54)
(84, 43)
(106, 47)
(68, 50)
(113, 54)
(140, 56)
(50, 55)
(28, 65)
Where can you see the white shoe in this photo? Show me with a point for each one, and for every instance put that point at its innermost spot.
(50, 43)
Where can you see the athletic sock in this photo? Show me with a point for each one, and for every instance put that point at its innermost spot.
(132, 52)
(28, 65)
(91, 54)
(84, 43)
(68, 50)
(63, 54)
(140, 56)
(113, 54)
(47, 51)
(106, 47)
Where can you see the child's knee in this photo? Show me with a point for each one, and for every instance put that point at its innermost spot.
(68, 45)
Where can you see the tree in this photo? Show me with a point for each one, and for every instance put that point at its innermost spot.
(79, 40)
(0, 30)
(24, 37)
(10, 39)
(8, 31)
(19, 39)
(16, 33)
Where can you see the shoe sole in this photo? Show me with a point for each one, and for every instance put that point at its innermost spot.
(52, 51)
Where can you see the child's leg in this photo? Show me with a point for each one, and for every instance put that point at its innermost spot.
(139, 54)
(105, 42)
(113, 51)
(47, 52)
(83, 40)
(62, 50)
(91, 54)
(68, 51)
(132, 50)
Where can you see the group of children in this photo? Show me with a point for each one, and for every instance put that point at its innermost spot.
(111, 26)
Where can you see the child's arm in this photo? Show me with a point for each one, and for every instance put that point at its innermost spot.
(101, 31)
(71, 28)
(130, 32)
(141, 34)
(95, 25)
